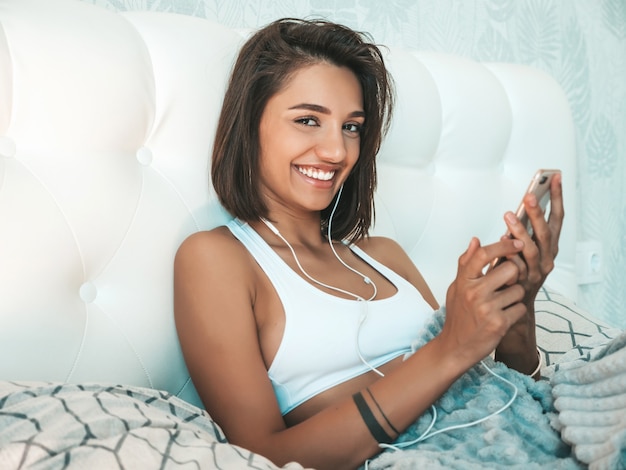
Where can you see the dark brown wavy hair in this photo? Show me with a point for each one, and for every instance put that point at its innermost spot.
(264, 65)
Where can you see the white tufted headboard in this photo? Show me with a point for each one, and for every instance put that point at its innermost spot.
(106, 122)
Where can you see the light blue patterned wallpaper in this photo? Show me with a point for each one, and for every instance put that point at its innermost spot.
(582, 43)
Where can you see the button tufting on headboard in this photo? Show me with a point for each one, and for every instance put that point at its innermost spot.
(144, 156)
(88, 292)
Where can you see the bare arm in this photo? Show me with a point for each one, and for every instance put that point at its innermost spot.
(215, 293)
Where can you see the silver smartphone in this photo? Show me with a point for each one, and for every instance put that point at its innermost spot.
(540, 187)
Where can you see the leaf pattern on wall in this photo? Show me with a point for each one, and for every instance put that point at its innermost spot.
(389, 18)
(615, 17)
(602, 148)
(574, 74)
(494, 43)
(614, 278)
(501, 10)
(344, 12)
(228, 13)
(256, 13)
(449, 27)
(495, 47)
(183, 7)
(131, 5)
(538, 33)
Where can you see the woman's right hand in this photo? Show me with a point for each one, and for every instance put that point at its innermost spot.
(480, 308)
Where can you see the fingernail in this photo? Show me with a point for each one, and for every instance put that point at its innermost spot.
(510, 218)
(518, 243)
(532, 200)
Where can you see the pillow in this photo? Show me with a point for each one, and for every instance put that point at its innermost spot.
(565, 328)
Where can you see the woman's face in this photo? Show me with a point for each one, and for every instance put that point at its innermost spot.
(309, 138)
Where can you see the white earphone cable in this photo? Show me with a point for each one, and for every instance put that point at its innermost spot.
(427, 434)
(366, 279)
(295, 257)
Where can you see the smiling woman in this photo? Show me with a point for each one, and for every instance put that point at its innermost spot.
(309, 149)
(294, 322)
(302, 367)
(265, 64)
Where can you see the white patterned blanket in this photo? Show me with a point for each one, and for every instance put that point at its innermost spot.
(48, 426)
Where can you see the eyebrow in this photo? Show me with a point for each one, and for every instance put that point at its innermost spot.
(323, 109)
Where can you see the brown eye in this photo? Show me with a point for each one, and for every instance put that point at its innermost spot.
(307, 121)
(353, 128)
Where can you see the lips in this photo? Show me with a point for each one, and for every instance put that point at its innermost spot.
(316, 173)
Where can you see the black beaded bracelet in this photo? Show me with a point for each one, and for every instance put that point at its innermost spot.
(376, 430)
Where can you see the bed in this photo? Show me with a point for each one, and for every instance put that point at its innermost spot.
(106, 121)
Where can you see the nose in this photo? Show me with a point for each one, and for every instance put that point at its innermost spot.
(332, 146)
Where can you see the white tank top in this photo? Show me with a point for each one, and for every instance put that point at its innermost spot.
(319, 346)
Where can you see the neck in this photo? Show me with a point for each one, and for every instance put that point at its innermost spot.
(366, 280)
(299, 232)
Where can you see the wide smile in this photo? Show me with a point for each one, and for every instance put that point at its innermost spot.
(316, 173)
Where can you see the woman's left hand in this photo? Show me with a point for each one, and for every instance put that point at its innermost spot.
(540, 250)
(534, 263)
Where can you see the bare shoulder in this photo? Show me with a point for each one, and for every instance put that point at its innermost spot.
(208, 243)
(212, 269)
(212, 250)
(389, 252)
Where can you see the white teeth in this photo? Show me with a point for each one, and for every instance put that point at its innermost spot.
(316, 174)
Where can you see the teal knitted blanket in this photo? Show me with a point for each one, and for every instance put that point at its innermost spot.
(521, 423)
